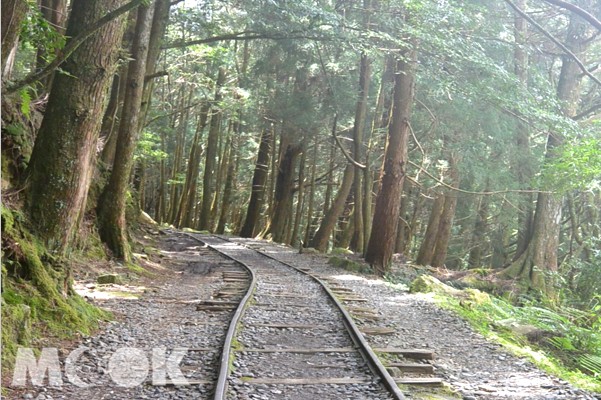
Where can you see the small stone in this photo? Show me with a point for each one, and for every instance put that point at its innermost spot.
(108, 279)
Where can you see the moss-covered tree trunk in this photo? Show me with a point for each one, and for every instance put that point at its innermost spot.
(381, 243)
(64, 152)
(111, 208)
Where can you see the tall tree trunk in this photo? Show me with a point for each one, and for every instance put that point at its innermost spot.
(426, 250)
(160, 206)
(381, 243)
(330, 177)
(184, 217)
(478, 237)
(257, 194)
(443, 235)
(178, 156)
(522, 160)
(230, 180)
(540, 256)
(225, 157)
(283, 195)
(111, 208)
(403, 228)
(208, 179)
(12, 15)
(64, 152)
(300, 199)
(322, 236)
(358, 129)
(311, 193)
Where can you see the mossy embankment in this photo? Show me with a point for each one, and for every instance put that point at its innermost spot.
(37, 298)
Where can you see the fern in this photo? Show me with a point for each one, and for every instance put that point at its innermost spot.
(25, 102)
(591, 363)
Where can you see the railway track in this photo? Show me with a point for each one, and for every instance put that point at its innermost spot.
(289, 337)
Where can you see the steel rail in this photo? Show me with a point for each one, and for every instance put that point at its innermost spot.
(221, 385)
(374, 363)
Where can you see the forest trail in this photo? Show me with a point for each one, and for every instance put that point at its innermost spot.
(163, 315)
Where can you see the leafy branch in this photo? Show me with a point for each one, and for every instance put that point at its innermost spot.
(71, 46)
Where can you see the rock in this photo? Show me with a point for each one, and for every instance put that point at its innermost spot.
(339, 251)
(429, 284)
(467, 297)
(147, 219)
(109, 278)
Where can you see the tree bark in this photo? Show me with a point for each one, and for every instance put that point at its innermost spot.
(359, 127)
(443, 234)
(300, 199)
(257, 195)
(12, 15)
(426, 250)
(64, 152)
(522, 160)
(381, 243)
(208, 179)
(188, 198)
(322, 236)
(540, 257)
(230, 178)
(111, 208)
(284, 192)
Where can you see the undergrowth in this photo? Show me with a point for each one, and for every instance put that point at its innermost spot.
(562, 340)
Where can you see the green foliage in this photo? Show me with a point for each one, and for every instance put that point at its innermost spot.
(149, 148)
(562, 340)
(577, 166)
(37, 32)
(25, 102)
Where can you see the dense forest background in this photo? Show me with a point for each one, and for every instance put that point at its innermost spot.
(458, 134)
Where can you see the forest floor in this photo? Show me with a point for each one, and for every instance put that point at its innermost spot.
(473, 367)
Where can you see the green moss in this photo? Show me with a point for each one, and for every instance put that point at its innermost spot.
(487, 318)
(37, 297)
(349, 265)
(339, 251)
(139, 270)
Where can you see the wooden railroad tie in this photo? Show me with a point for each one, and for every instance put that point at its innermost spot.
(419, 381)
(216, 305)
(417, 354)
(412, 367)
(307, 381)
(291, 326)
(378, 330)
(302, 350)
